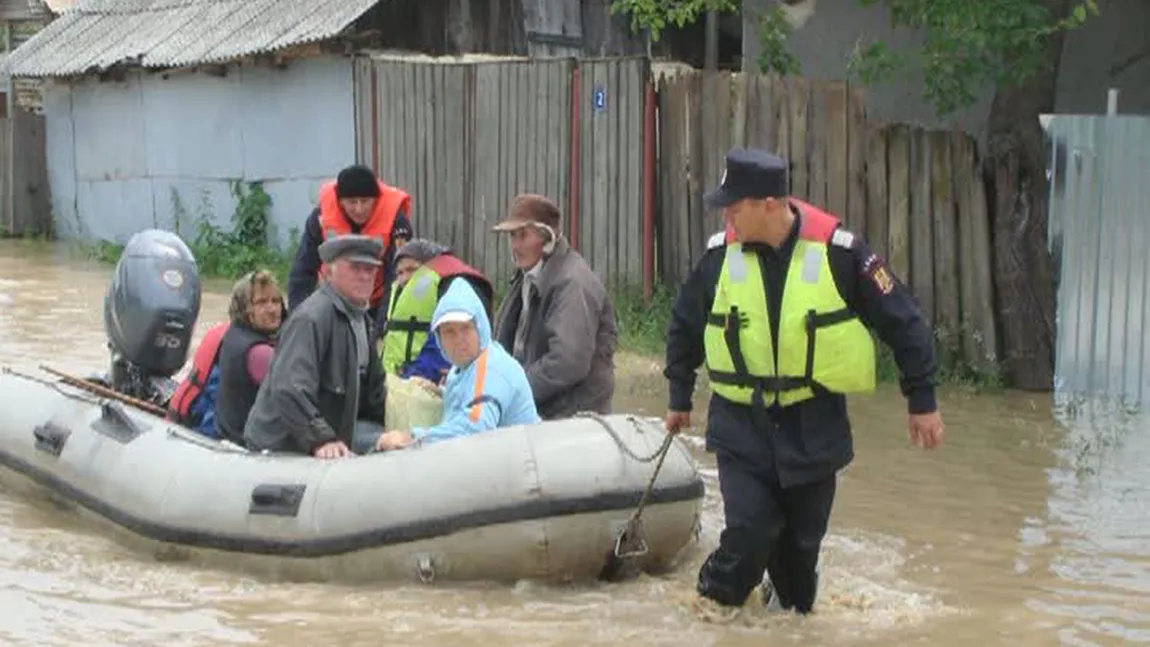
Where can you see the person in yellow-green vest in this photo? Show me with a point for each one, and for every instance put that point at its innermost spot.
(424, 269)
(779, 310)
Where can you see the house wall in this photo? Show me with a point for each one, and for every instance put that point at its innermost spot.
(824, 42)
(119, 151)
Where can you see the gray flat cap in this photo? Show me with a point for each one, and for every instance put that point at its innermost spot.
(354, 247)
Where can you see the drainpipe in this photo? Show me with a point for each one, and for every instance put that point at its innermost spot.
(374, 116)
(9, 195)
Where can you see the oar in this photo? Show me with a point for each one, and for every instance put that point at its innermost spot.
(105, 392)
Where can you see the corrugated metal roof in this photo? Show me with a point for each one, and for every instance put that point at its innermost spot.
(98, 34)
(59, 6)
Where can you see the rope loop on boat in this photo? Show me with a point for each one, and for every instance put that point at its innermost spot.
(57, 386)
(662, 450)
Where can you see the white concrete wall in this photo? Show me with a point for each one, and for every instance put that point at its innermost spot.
(117, 151)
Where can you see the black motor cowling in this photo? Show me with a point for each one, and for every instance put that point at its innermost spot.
(151, 307)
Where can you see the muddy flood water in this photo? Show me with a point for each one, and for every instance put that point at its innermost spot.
(1020, 531)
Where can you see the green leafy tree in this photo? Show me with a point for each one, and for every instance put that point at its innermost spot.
(655, 16)
(968, 45)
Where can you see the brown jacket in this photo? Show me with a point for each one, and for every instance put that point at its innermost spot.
(569, 354)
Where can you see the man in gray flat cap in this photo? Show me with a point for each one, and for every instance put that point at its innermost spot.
(325, 392)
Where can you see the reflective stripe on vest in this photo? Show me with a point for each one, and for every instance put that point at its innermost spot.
(332, 221)
(409, 319)
(822, 346)
(193, 384)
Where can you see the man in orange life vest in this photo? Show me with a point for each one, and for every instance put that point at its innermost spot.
(357, 202)
(779, 310)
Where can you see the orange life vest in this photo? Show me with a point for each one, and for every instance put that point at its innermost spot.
(197, 378)
(820, 226)
(449, 265)
(333, 222)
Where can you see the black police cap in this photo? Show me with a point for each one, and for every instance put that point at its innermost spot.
(750, 173)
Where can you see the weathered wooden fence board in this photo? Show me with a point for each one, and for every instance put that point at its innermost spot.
(673, 179)
(877, 214)
(818, 127)
(898, 194)
(838, 152)
(979, 335)
(858, 133)
(921, 236)
(798, 97)
(945, 235)
(6, 221)
(611, 139)
(25, 200)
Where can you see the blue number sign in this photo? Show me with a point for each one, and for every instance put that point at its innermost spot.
(599, 98)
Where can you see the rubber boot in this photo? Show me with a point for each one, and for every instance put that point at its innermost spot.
(772, 601)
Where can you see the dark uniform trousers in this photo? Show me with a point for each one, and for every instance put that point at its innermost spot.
(772, 523)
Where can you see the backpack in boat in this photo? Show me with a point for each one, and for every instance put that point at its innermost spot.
(193, 403)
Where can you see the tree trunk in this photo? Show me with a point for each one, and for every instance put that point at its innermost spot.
(1024, 282)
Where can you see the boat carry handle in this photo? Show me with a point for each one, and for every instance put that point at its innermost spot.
(115, 423)
(276, 499)
(51, 438)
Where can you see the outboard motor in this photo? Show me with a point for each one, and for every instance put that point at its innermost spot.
(150, 313)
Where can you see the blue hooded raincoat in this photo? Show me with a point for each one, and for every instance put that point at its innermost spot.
(488, 393)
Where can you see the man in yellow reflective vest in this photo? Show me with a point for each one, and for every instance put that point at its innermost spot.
(779, 309)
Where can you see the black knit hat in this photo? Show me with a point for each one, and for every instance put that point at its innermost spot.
(356, 181)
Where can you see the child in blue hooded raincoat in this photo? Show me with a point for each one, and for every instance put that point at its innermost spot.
(489, 392)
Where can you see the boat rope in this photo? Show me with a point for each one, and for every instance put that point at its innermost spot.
(658, 453)
(662, 454)
(82, 396)
(629, 542)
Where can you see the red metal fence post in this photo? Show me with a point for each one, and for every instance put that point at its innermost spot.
(649, 189)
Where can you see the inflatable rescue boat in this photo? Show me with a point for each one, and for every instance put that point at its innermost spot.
(545, 502)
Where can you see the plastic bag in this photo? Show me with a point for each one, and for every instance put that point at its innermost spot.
(410, 405)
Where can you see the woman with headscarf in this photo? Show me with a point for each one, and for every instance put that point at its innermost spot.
(424, 270)
(256, 313)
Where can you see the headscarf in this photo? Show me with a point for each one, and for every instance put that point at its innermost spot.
(421, 250)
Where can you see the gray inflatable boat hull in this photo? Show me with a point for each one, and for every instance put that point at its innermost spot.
(542, 502)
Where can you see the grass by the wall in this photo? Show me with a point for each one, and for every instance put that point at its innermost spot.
(229, 254)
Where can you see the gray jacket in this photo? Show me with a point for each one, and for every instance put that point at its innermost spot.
(313, 393)
(569, 354)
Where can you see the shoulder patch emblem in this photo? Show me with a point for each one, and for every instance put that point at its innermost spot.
(717, 240)
(843, 238)
(882, 279)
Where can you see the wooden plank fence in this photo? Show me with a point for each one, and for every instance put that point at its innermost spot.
(629, 158)
(25, 204)
(918, 197)
(465, 137)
